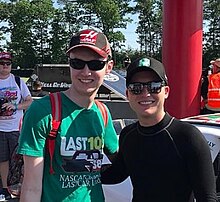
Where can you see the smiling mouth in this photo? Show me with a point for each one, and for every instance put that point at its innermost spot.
(86, 80)
(146, 102)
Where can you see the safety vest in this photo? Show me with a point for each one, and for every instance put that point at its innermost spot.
(214, 92)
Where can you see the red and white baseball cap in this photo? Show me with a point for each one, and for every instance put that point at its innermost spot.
(92, 39)
(5, 55)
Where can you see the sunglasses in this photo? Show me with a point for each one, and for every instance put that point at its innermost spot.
(93, 65)
(5, 63)
(137, 88)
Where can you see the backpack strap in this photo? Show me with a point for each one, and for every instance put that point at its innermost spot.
(18, 81)
(103, 111)
(55, 99)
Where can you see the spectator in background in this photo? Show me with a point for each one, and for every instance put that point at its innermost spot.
(211, 96)
(37, 90)
(211, 89)
(126, 61)
(14, 98)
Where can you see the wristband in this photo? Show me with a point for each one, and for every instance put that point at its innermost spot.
(16, 106)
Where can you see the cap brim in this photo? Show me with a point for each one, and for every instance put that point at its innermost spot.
(97, 50)
(6, 59)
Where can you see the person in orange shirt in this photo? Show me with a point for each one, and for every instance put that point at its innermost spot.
(211, 89)
(211, 97)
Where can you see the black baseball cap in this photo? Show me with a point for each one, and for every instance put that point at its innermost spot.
(92, 39)
(146, 64)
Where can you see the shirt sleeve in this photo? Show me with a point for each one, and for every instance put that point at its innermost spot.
(35, 129)
(115, 173)
(110, 137)
(196, 153)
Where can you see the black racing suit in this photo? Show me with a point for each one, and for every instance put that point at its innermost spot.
(166, 163)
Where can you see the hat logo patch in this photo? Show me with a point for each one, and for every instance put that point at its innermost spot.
(88, 37)
(145, 62)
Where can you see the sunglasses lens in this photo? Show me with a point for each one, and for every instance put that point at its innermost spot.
(93, 65)
(5, 63)
(135, 88)
(77, 64)
(96, 65)
(152, 87)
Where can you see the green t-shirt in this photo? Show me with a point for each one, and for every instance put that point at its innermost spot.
(79, 146)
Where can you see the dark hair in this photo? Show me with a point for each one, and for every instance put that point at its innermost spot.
(36, 85)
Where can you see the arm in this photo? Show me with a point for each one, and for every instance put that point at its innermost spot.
(204, 180)
(32, 182)
(204, 88)
(110, 139)
(25, 103)
(200, 168)
(112, 157)
(26, 97)
(21, 106)
(114, 173)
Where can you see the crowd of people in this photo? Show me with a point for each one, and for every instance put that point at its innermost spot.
(166, 159)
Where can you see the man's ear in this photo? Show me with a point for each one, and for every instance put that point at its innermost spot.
(109, 66)
(167, 91)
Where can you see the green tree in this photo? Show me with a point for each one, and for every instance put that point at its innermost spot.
(107, 15)
(28, 28)
(18, 17)
(111, 15)
(59, 37)
(39, 33)
(149, 28)
(211, 37)
(40, 28)
(3, 18)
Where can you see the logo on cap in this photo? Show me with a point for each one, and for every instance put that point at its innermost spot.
(88, 36)
(144, 62)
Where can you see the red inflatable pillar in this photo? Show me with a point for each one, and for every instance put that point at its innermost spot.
(182, 55)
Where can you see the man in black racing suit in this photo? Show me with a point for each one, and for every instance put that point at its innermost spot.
(166, 159)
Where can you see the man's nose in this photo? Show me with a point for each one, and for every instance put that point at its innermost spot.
(145, 91)
(86, 70)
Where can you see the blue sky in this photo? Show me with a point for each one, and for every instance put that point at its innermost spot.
(130, 35)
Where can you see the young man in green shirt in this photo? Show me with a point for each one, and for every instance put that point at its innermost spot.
(82, 136)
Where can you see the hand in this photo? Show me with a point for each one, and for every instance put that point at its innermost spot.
(10, 106)
(205, 101)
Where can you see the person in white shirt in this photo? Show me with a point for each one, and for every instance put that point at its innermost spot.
(15, 97)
